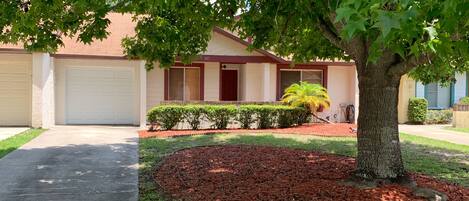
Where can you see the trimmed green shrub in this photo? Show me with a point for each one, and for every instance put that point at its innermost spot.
(464, 100)
(220, 115)
(439, 116)
(193, 114)
(303, 116)
(266, 116)
(287, 116)
(246, 115)
(167, 116)
(417, 112)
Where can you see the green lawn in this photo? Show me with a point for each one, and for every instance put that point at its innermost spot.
(462, 130)
(440, 159)
(10, 144)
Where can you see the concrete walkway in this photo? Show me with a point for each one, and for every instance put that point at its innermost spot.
(436, 132)
(73, 163)
(6, 132)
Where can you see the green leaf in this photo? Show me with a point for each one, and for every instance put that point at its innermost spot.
(386, 21)
(344, 13)
(353, 26)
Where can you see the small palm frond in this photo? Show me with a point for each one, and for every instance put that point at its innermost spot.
(304, 94)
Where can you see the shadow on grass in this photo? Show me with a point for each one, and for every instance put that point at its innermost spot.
(446, 164)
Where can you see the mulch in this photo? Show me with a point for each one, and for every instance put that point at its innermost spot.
(267, 173)
(319, 129)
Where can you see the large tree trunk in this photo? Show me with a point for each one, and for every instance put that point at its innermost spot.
(379, 152)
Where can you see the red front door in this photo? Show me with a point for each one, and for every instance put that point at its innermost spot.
(229, 85)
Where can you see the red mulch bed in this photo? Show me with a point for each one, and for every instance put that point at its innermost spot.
(266, 173)
(319, 129)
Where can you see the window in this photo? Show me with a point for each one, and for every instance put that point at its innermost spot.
(288, 77)
(184, 83)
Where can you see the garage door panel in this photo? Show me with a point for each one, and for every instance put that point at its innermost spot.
(15, 93)
(99, 95)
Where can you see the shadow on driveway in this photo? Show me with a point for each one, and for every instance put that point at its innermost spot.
(85, 171)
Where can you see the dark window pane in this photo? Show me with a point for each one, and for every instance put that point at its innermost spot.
(287, 78)
(176, 84)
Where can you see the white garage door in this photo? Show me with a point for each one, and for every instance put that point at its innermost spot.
(99, 95)
(15, 92)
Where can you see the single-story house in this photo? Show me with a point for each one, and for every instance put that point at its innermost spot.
(97, 84)
(438, 97)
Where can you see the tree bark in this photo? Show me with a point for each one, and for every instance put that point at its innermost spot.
(379, 151)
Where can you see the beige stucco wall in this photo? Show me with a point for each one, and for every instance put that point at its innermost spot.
(212, 81)
(155, 86)
(221, 45)
(60, 81)
(342, 90)
(252, 79)
(273, 82)
(406, 91)
(461, 119)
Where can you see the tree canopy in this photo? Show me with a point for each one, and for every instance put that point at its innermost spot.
(429, 37)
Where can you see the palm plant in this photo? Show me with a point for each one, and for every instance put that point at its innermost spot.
(311, 96)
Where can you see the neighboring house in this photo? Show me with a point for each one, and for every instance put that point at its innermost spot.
(438, 97)
(97, 84)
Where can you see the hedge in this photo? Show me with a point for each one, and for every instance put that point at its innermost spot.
(464, 101)
(439, 116)
(220, 116)
(417, 112)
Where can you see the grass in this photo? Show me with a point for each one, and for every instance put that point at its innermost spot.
(10, 144)
(439, 159)
(462, 130)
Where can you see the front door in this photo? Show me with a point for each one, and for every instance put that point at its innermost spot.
(229, 85)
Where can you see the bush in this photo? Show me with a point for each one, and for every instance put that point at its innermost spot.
(193, 115)
(417, 112)
(439, 116)
(166, 116)
(266, 116)
(464, 101)
(304, 116)
(288, 116)
(246, 116)
(220, 115)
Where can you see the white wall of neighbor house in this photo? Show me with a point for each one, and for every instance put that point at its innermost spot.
(42, 91)
(61, 66)
(342, 91)
(212, 81)
(460, 87)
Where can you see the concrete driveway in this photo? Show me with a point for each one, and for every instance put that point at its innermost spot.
(436, 132)
(6, 132)
(73, 163)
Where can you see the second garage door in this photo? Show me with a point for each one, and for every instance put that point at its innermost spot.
(99, 95)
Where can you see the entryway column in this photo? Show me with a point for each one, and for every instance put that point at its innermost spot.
(266, 82)
(43, 104)
(143, 94)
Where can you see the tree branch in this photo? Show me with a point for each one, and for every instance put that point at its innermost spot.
(329, 34)
(409, 63)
